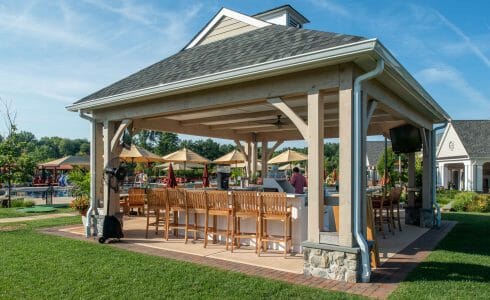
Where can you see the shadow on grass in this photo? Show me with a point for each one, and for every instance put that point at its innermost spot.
(442, 271)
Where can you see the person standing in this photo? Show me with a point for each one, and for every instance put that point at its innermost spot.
(298, 181)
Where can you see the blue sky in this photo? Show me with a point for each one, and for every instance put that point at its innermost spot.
(55, 52)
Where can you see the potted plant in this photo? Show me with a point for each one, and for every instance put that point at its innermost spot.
(81, 204)
(81, 191)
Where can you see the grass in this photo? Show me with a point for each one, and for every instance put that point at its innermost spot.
(14, 213)
(459, 268)
(38, 266)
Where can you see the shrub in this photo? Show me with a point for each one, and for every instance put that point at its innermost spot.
(17, 202)
(20, 202)
(462, 200)
(481, 203)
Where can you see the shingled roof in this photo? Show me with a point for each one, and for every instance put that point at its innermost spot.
(261, 45)
(374, 151)
(475, 136)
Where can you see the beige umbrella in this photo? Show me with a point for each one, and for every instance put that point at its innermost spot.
(185, 156)
(137, 154)
(180, 166)
(234, 157)
(287, 157)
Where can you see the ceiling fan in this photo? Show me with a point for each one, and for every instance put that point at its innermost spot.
(279, 123)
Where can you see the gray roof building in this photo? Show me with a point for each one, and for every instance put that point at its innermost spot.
(257, 46)
(475, 136)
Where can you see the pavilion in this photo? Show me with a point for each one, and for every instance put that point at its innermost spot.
(264, 79)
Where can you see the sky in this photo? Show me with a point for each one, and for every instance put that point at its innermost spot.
(56, 52)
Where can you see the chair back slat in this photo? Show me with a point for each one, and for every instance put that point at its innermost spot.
(196, 199)
(395, 195)
(218, 200)
(246, 202)
(274, 203)
(136, 196)
(152, 200)
(160, 197)
(176, 197)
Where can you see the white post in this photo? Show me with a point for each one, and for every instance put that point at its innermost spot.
(315, 165)
(345, 158)
(111, 198)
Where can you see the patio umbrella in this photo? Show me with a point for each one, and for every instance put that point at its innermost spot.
(172, 182)
(287, 157)
(234, 157)
(205, 177)
(185, 156)
(137, 154)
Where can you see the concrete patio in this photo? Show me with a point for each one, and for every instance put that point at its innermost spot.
(134, 230)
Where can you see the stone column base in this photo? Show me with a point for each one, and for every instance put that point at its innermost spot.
(426, 218)
(332, 262)
(412, 216)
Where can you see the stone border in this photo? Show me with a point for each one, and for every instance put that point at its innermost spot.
(384, 280)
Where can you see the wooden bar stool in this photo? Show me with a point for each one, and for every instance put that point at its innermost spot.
(218, 205)
(176, 203)
(246, 205)
(274, 208)
(136, 199)
(197, 204)
(156, 205)
(380, 202)
(395, 201)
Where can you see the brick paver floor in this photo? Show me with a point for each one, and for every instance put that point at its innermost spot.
(384, 280)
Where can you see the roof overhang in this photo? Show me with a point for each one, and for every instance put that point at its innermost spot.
(335, 55)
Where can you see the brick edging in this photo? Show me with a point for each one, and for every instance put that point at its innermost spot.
(384, 280)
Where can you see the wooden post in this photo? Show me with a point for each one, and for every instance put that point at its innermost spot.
(253, 158)
(411, 179)
(99, 164)
(345, 156)
(264, 158)
(315, 165)
(111, 198)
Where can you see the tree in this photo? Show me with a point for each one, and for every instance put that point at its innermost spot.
(12, 158)
(168, 142)
(392, 166)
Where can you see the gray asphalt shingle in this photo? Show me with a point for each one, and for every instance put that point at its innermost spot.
(261, 45)
(475, 136)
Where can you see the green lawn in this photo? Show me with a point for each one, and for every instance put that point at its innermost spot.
(14, 213)
(41, 266)
(34, 265)
(460, 266)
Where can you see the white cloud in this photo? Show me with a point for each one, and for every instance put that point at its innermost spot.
(332, 7)
(41, 29)
(452, 79)
(472, 46)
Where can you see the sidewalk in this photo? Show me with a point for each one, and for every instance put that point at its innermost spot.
(36, 217)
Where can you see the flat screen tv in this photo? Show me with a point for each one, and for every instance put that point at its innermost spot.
(405, 139)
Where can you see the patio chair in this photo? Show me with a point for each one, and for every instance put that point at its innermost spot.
(380, 202)
(136, 199)
(156, 206)
(274, 208)
(246, 205)
(176, 203)
(218, 205)
(395, 201)
(197, 205)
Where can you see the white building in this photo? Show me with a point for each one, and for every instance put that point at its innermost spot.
(463, 156)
